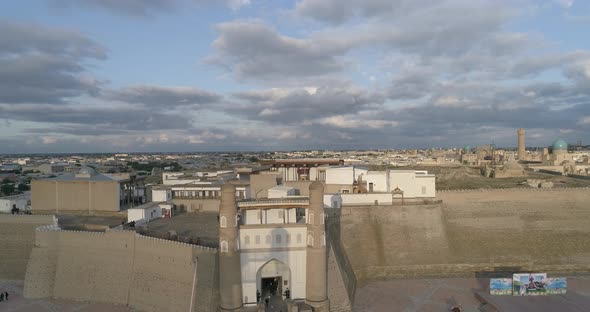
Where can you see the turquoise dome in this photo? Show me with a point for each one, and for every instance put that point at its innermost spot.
(559, 145)
(466, 148)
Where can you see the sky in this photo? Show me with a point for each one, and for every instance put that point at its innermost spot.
(253, 75)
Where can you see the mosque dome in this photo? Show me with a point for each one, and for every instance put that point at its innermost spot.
(86, 172)
(466, 148)
(559, 145)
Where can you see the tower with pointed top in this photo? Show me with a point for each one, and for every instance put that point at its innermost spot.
(230, 277)
(316, 290)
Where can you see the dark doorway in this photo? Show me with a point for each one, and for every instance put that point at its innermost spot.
(272, 285)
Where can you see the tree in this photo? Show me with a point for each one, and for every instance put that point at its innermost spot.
(23, 187)
(7, 189)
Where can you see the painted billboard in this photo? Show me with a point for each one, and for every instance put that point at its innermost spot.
(500, 286)
(529, 284)
(556, 285)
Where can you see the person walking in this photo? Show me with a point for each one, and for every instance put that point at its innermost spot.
(6, 296)
(1, 297)
(257, 296)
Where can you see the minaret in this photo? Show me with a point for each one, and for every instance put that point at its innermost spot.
(316, 290)
(230, 275)
(521, 146)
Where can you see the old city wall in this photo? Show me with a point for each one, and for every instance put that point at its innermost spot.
(17, 238)
(121, 267)
(471, 232)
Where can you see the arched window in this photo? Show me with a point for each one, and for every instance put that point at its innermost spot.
(322, 218)
(278, 239)
(247, 240)
(268, 239)
(224, 247)
(257, 239)
(298, 238)
(223, 221)
(310, 219)
(371, 187)
(309, 240)
(323, 239)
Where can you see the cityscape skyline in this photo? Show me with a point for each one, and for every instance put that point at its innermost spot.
(249, 75)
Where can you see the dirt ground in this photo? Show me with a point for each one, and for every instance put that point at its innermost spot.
(201, 225)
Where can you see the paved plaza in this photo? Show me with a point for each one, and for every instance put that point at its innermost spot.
(16, 303)
(427, 295)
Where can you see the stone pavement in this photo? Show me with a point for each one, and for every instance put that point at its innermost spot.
(16, 302)
(441, 294)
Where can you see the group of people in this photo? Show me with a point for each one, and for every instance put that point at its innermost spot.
(287, 295)
(4, 296)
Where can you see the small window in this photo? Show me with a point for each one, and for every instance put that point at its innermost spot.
(223, 221)
(257, 239)
(345, 191)
(322, 218)
(268, 239)
(247, 240)
(298, 238)
(224, 247)
(310, 219)
(278, 239)
(323, 239)
(309, 240)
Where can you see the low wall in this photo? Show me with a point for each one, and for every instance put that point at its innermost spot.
(471, 232)
(121, 267)
(17, 238)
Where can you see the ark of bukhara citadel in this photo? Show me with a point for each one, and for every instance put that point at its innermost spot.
(300, 233)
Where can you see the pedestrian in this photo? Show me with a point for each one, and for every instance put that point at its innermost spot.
(257, 296)
(266, 301)
(1, 297)
(6, 296)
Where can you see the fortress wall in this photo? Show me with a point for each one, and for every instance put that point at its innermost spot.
(337, 291)
(472, 231)
(94, 266)
(17, 238)
(121, 267)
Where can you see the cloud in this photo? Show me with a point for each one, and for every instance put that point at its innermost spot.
(147, 7)
(292, 106)
(253, 50)
(163, 96)
(565, 3)
(339, 11)
(44, 64)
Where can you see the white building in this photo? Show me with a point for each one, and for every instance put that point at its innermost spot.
(21, 201)
(281, 191)
(150, 211)
(272, 240)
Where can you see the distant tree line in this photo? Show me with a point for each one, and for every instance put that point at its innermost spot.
(152, 164)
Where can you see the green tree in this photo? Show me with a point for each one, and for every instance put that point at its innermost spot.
(7, 189)
(23, 187)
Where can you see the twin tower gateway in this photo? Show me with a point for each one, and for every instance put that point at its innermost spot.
(272, 250)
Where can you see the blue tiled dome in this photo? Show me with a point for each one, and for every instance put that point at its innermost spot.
(559, 145)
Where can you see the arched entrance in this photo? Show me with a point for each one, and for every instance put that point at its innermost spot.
(273, 278)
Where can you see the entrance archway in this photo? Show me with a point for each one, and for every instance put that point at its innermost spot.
(273, 278)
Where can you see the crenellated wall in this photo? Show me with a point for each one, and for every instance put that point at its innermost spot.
(121, 267)
(17, 238)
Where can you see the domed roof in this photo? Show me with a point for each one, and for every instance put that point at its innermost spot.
(87, 171)
(467, 148)
(559, 145)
